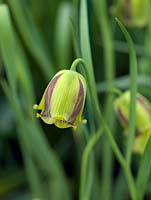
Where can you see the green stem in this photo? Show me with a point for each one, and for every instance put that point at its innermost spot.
(85, 158)
(109, 134)
(115, 91)
(131, 183)
(98, 113)
(75, 63)
(93, 97)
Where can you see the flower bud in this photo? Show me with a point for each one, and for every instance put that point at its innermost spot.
(63, 100)
(142, 118)
(132, 13)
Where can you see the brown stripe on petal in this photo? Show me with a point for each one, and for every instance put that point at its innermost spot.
(78, 104)
(125, 121)
(144, 104)
(122, 117)
(48, 95)
(137, 132)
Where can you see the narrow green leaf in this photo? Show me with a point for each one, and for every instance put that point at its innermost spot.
(46, 159)
(30, 132)
(62, 35)
(83, 195)
(85, 51)
(32, 173)
(133, 90)
(32, 137)
(100, 10)
(24, 77)
(7, 45)
(25, 145)
(14, 58)
(31, 36)
(107, 40)
(147, 59)
(144, 171)
(85, 44)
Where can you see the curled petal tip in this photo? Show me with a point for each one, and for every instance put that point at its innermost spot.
(35, 106)
(74, 128)
(37, 115)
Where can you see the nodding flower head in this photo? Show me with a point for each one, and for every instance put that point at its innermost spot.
(132, 13)
(142, 118)
(63, 100)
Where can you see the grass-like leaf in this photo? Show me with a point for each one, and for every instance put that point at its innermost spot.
(31, 36)
(133, 90)
(100, 10)
(85, 48)
(85, 44)
(29, 133)
(7, 45)
(62, 40)
(144, 171)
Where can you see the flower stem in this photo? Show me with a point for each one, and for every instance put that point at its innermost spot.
(99, 114)
(75, 63)
(131, 183)
(85, 158)
(108, 132)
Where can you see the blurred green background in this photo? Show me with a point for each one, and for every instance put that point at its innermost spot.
(38, 38)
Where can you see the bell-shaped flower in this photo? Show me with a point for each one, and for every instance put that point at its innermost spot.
(63, 100)
(142, 118)
(133, 13)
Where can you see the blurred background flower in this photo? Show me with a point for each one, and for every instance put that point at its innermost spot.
(142, 122)
(133, 13)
